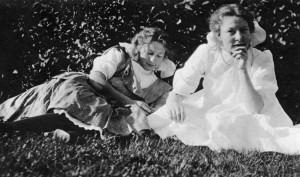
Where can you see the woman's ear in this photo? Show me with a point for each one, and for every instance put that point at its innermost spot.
(219, 39)
(137, 56)
(137, 51)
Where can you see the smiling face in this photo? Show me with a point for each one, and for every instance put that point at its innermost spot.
(151, 55)
(234, 33)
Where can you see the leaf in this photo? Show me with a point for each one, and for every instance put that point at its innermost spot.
(205, 2)
(152, 8)
(82, 24)
(160, 20)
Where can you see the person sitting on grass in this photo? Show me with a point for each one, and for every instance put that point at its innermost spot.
(237, 107)
(122, 88)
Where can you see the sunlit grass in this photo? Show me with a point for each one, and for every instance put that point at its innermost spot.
(38, 155)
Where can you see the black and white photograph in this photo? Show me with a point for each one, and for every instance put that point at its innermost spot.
(149, 88)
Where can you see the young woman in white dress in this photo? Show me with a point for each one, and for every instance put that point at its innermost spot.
(237, 107)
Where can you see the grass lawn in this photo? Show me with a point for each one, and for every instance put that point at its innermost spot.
(39, 155)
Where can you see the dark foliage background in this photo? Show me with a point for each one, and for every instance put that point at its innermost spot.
(41, 38)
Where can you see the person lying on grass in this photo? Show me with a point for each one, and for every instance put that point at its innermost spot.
(237, 107)
(120, 91)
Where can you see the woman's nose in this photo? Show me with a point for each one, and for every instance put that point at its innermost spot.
(152, 59)
(238, 36)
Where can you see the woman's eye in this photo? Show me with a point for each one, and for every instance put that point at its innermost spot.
(231, 31)
(149, 53)
(244, 30)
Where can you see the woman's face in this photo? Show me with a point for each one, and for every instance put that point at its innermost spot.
(151, 55)
(234, 33)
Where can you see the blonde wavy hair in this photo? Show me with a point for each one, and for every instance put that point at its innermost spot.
(148, 35)
(216, 18)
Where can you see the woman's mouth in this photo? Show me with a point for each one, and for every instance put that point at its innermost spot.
(151, 65)
(240, 45)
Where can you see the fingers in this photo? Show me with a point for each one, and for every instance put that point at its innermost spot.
(146, 108)
(172, 114)
(240, 53)
(182, 113)
(177, 114)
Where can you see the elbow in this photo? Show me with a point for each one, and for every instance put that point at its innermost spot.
(97, 83)
(258, 106)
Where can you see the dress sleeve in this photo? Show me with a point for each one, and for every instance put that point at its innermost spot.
(186, 79)
(108, 62)
(264, 81)
(263, 77)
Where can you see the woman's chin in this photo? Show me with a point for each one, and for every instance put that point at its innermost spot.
(149, 68)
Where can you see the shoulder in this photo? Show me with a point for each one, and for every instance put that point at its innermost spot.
(114, 54)
(262, 57)
(202, 48)
(207, 52)
(199, 54)
(259, 53)
(115, 50)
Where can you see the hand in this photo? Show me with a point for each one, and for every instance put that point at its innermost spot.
(175, 108)
(241, 55)
(142, 105)
(138, 118)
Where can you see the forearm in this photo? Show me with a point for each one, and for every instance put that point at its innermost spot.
(98, 81)
(247, 93)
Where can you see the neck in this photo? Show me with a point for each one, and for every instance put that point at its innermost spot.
(141, 68)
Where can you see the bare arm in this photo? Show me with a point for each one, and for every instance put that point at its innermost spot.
(98, 81)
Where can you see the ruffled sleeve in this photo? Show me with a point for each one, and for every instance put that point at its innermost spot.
(186, 79)
(264, 81)
(263, 75)
(108, 62)
(167, 68)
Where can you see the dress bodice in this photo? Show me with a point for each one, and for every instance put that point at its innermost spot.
(125, 81)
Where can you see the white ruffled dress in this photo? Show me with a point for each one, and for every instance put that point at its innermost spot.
(216, 117)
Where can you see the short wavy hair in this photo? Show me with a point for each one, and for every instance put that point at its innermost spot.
(215, 19)
(148, 35)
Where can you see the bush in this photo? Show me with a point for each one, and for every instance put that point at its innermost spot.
(44, 38)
